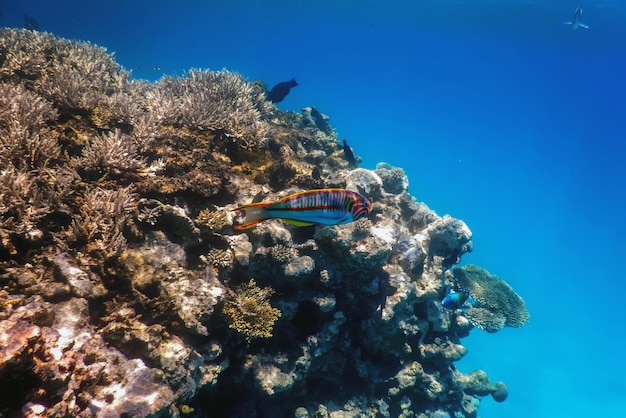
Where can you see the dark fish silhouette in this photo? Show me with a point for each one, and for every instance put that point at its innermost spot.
(348, 155)
(30, 23)
(281, 90)
(321, 121)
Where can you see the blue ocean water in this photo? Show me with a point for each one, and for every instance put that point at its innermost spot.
(499, 113)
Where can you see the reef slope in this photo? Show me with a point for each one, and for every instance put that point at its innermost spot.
(125, 291)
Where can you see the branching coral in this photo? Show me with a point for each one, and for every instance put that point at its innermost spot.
(25, 139)
(221, 101)
(219, 258)
(22, 203)
(123, 108)
(499, 303)
(110, 154)
(248, 310)
(102, 218)
(72, 75)
(213, 219)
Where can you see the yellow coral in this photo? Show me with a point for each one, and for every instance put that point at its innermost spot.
(213, 219)
(186, 409)
(249, 312)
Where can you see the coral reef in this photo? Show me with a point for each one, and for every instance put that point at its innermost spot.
(497, 303)
(222, 102)
(70, 75)
(125, 291)
(249, 312)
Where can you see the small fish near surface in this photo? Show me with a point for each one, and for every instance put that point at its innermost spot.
(457, 300)
(575, 23)
(280, 91)
(321, 206)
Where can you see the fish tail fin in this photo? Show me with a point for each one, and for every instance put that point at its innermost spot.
(293, 82)
(254, 214)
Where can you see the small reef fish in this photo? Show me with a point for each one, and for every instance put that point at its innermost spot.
(457, 300)
(281, 90)
(322, 206)
(348, 155)
(575, 23)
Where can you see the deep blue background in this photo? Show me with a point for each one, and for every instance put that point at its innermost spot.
(501, 116)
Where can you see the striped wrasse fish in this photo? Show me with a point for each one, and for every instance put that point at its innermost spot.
(322, 206)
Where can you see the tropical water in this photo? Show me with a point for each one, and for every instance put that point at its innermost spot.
(500, 114)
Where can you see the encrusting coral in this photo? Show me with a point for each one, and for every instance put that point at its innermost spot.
(125, 290)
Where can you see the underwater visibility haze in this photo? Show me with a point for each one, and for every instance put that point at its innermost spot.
(117, 226)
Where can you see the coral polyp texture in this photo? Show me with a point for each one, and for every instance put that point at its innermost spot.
(126, 291)
(497, 303)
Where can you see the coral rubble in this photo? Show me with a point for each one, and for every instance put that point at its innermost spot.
(125, 291)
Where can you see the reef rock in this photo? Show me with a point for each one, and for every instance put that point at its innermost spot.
(125, 291)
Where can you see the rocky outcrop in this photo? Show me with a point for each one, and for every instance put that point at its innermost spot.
(125, 291)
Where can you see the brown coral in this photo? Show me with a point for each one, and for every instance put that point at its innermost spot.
(111, 154)
(213, 219)
(72, 75)
(102, 218)
(219, 258)
(222, 102)
(282, 253)
(249, 312)
(25, 139)
(22, 202)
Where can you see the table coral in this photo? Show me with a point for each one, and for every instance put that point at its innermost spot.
(498, 304)
(125, 291)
